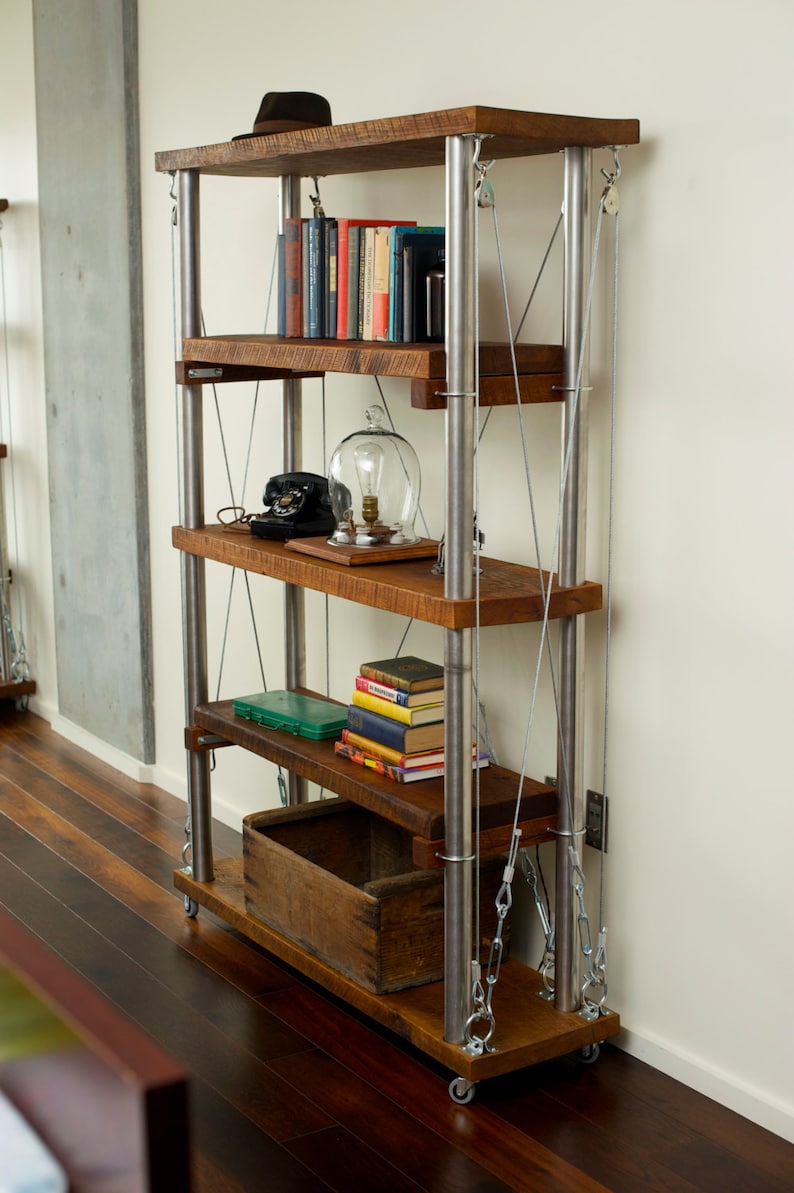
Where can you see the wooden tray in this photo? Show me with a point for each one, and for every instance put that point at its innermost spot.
(351, 556)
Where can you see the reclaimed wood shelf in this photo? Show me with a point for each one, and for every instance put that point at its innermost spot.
(510, 593)
(229, 358)
(398, 143)
(364, 357)
(528, 1028)
(416, 807)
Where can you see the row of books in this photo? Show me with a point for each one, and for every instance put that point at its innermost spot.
(395, 721)
(355, 279)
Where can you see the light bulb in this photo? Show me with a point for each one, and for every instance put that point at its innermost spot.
(368, 459)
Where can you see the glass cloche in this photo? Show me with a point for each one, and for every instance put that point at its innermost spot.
(374, 484)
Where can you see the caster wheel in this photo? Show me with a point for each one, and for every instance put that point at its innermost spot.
(589, 1054)
(191, 907)
(461, 1091)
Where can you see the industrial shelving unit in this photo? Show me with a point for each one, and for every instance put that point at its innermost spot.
(434, 1017)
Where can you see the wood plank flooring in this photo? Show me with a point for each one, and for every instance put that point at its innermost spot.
(290, 1091)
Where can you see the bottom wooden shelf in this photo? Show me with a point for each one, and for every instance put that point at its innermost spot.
(528, 1029)
(14, 689)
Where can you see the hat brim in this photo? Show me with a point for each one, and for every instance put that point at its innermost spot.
(269, 127)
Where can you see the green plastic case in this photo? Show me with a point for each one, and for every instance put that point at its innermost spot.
(303, 716)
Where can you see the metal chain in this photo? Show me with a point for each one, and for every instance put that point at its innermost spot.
(595, 965)
(482, 997)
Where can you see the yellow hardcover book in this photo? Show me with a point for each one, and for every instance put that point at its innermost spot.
(420, 714)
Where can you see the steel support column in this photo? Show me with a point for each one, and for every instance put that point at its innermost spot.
(460, 349)
(193, 581)
(289, 204)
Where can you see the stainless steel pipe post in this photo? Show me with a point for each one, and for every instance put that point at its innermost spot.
(193, 580)
(289, 203)
(458, 582)
(568, 967)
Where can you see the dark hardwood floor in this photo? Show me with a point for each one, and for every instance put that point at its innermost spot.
(290, 1091)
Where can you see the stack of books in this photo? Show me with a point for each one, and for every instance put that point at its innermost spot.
(356, 279)
(395, 721)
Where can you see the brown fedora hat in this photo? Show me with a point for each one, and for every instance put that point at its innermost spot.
(283, 111)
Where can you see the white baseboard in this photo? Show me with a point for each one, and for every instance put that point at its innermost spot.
(133, 768)
(720, 1087)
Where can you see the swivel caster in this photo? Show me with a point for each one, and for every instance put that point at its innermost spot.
(589, 1054)
(461, 1091)
(191, 907)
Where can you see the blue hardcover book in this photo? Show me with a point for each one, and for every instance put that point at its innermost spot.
(316, 276)
(407, 739)
(331, 277)
(396, 275)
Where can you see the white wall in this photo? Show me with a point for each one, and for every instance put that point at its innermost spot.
(697, 889)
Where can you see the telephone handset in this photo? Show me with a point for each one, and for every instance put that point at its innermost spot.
(297, 505)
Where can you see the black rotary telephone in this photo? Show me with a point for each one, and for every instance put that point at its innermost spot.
(297, 505)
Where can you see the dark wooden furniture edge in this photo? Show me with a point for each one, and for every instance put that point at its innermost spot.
(119, 1041)
(160, 1085)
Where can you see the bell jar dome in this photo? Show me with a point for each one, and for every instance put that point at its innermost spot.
(374, 484)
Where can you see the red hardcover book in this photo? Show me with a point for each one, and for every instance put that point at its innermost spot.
(293, 275)
(397, 773)
(343, 265)
(407, 699)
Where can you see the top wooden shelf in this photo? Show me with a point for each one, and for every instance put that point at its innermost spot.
(401, 142)
(3, 204)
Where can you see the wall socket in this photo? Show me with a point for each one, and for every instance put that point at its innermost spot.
(595, 817)
(596, 820)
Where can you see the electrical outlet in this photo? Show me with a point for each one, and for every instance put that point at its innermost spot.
(596, 820)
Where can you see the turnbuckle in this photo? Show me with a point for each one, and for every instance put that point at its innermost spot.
(610, 199)
(547, 964)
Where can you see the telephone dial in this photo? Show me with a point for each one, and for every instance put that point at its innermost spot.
(297, 505)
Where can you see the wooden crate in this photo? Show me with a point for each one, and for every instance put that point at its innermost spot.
(340, 882)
